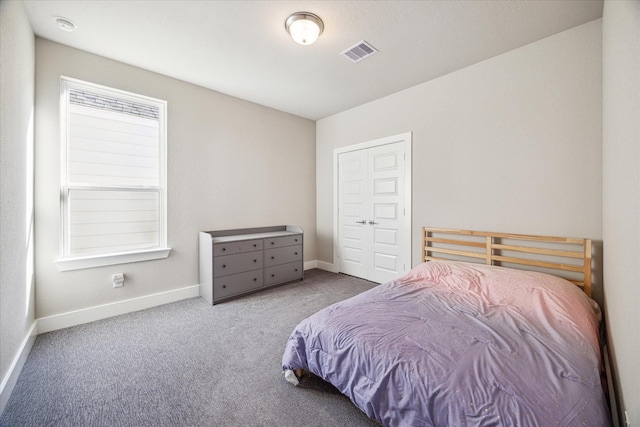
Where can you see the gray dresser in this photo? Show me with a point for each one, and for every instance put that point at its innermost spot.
(234, 262)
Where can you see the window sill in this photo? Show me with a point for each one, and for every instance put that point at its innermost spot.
(79, 263)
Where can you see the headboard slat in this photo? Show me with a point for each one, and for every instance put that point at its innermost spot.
(456, 242)
(552, 265)
(568, 254)
(455, 252)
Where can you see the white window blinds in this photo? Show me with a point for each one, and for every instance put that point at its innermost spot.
(114, 195)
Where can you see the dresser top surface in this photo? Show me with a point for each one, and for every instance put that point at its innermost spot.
(265, 235)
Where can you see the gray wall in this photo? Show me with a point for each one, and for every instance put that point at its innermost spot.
(231, 164)
(511, 144)
(17, 57)
(621, 190)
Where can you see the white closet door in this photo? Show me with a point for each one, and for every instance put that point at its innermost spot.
(386, 214)
(371, 212)
(353, 212)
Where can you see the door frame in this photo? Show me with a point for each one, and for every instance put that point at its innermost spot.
(407, 140)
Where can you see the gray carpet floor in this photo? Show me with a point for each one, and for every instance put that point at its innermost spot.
(185, 364)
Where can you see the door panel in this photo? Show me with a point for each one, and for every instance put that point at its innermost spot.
(352, 210)
(385, 262)
(385, 211)
(385, 236)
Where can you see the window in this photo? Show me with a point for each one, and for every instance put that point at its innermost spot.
(113, 192)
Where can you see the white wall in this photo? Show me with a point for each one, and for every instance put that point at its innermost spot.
(621, 194)
(17, 57)
(231, 164)
(511, 144)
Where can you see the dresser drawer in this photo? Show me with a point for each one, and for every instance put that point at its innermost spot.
(237, 247)
(239, 263)
(237, 283)
(282, 255)
(283, 273)
(277, 242)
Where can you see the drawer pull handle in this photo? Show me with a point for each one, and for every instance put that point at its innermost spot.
(255, 246)
(295, 240)
(273, 257)
(224, 266)
(224, 286)
(224, 249)
(255, 279)
(296, 269)
(295, 253)
(273, 243)
(255, 260)
(273, 275)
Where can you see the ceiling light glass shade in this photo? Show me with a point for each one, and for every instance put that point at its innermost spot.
(65, 24)
(304, 27)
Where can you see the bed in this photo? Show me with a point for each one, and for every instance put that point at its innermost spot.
(459, 343)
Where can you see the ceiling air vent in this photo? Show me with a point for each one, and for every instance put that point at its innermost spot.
(359, 51)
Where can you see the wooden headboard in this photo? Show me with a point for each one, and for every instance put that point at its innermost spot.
(566, 257)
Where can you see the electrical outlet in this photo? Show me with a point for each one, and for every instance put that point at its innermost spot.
(118, 280)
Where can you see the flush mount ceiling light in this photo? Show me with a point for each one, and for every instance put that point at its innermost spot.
(304, 27)
(65, 24)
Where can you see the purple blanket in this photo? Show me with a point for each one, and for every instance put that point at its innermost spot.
(456, 344)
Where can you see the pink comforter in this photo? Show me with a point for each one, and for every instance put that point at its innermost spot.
(457, 344)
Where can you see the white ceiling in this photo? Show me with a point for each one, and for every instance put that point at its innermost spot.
(242, 49)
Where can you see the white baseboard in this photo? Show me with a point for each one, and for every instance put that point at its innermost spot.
(327, 266)
(321, 265)
(10, 379)
(86, 315)
(613, 404)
